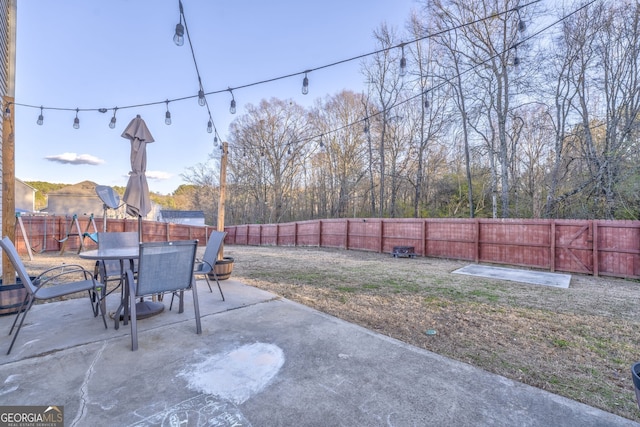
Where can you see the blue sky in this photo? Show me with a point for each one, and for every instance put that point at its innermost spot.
(117, 53)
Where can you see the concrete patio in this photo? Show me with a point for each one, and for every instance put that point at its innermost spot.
(260, 361)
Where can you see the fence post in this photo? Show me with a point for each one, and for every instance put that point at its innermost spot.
(346, 233)
(295, 234)
(423, 243)
(552, 261)
(594, 244)
(477, 240)
(381, 248)
(319, 233)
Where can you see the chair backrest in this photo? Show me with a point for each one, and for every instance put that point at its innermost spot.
(213, 246)
(165, 266)
(11, 252)
(118, 239)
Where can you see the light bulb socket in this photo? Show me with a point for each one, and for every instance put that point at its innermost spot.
(76, 123)
(40, 118)
(201, 98)
(232, 107)
(112, 123)
(209, 127)
(167, 118)
(305, 85)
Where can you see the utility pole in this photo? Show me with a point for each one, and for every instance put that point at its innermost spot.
(8, 143)
(223, 192)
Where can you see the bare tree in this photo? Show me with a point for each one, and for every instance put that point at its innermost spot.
(270, 146)
(345, 149)
(384, 81)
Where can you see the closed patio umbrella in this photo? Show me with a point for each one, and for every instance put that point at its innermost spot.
(136, 195)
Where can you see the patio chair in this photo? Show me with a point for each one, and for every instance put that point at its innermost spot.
(205, 265)
(163, 267)
(49, 284)
(111, 270)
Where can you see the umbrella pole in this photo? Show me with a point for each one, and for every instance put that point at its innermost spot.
(139, 228)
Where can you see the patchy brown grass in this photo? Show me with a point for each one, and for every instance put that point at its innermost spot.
(578, 342)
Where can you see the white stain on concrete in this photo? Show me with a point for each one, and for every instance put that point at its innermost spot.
(237, 375)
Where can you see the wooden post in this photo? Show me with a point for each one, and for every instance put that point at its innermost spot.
(223, 193)
(8, 186)
(8, 143)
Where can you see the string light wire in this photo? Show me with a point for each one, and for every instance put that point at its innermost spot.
(333, 64)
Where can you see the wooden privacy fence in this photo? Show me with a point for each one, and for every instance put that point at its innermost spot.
(47, 233)
(596, 247)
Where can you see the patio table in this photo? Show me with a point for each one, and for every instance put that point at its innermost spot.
(131, 253)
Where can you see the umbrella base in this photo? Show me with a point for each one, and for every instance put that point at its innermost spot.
(146, 309)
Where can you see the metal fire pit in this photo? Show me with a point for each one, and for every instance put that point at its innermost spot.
(403, 252)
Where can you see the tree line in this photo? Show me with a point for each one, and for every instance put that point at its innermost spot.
(494, 108)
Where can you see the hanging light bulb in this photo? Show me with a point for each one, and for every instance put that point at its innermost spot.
(516, 58)
(305, 84)
(403, 63)
(40, 118)
(521, 24)
(201, 99)
(178, 37)
(76, 121)
(210, 126)
(366, 125)
(7, 113)
(426, 100)
(167, 115)
(215, 139)
(112, 123)
(232, 106)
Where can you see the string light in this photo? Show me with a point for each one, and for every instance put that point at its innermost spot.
(201, 100)
(181, 30)
(522, 26)
(7, 112)
(167, 115)
(40, 117)
(210, 126)
(76, 121)
(366, 125)
(232, 106)
(426, 100)
(112, 123)
(305, 83)
(403, 63)
(178, 37)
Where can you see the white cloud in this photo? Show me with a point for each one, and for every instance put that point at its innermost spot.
(156, 175)
(75, 159)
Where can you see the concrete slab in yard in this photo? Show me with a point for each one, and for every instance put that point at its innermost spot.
(525, 276)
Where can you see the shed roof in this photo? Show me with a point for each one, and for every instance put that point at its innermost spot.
(169, 213)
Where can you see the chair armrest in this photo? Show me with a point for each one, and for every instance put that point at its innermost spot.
(60, 271)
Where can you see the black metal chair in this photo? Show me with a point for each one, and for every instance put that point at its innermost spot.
(163, 267)
(50, 284)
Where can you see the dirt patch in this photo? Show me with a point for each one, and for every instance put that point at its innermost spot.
(578, 342)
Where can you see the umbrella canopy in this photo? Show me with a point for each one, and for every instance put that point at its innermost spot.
(136, 195)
